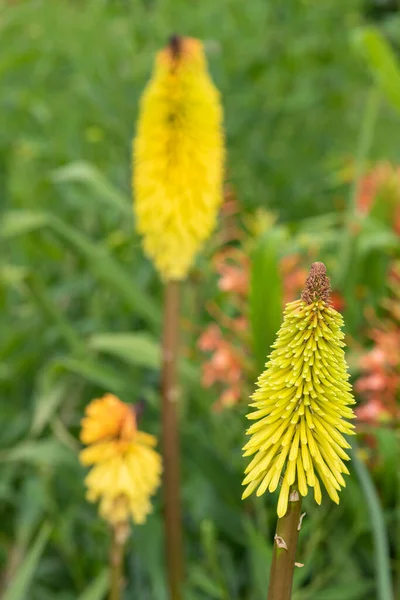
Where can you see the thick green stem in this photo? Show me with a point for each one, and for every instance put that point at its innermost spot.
(170, 437)
(285, 543)
(116, 565)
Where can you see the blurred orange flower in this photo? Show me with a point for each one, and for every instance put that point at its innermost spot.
(233, 268)
(379, 384)
(382, 183)
(125, 469)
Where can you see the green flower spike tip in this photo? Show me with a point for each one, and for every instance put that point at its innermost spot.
(302, 402)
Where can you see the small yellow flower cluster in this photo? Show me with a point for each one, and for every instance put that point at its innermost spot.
(301, 402)
(126, 469)
(178, 158)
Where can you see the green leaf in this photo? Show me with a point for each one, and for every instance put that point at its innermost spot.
(95, 371)
(355, 591)
(86, 173)
(260, 556)
(98, 588)
(47, 452)
(377, 522)
(265, 294)
(50, 394)
(139, 349)
(199, 578)
(100, 261)
(22, 580)
(381, 61)
(20, 222)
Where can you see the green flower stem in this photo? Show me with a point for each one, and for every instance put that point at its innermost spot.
(285, 543)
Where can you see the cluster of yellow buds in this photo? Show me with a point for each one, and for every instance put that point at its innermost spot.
(302, 401)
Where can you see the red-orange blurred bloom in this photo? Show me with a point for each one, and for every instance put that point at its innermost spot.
(232, 265)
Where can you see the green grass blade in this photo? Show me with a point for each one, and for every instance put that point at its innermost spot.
(265, 294)
(101, 262)
(382, 561)
(381, 61)
(87, 174)
(139, 349)
(22, 581)
(98, 588)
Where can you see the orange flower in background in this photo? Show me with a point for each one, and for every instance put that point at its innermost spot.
(384, 177)
(232, 265)
(108, 417)
(126, 469)
(294, 276)
(379, 383)
(224, 366)
(381, 184)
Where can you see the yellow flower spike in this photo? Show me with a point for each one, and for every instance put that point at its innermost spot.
(178, 157)
(302, 401)
(126, 470)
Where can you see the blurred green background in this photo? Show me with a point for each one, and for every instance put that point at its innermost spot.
(312, 99)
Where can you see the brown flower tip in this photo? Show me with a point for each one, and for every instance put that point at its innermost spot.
(318, 285)
(175, 45)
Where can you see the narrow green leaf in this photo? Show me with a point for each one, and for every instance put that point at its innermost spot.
(100, 261)
(265, 294)
(98, 588)
(20, 222)
(95, 371)
(139, 349)
(109, 270)
(47, 452)
(105, 192)
(382, 62)
(260, 555)
(136, 348)
(22, 581)
(377, 520)
(205, 583)
(50, 394)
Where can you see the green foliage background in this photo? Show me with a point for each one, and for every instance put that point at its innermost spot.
(80, 308)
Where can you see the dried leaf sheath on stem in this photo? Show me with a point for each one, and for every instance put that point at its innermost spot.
(170, 439)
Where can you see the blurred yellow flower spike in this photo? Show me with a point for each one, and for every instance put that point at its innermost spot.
(302, 401)
(178, 157)
(126, 469)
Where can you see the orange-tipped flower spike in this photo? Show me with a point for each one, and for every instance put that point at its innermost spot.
(126, 469)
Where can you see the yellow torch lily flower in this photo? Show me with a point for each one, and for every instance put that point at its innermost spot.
(178, 158)
(302, 402)
(126, 469)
